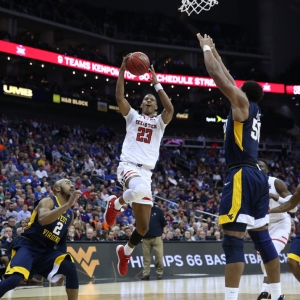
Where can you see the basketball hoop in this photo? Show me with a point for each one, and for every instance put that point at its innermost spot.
(196, 6)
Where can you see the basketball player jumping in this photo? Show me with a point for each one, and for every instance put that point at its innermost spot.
(245, 196)
(280, 223)
(139, 155)
(34, 250)
(294, 254)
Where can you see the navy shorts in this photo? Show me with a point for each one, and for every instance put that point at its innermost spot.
(294, 252)
(27, 258)
(245, 197)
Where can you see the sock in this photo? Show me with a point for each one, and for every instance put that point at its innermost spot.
(231, 293)
(117, 204)
(265, 288)
(275, 290)
(127, 250)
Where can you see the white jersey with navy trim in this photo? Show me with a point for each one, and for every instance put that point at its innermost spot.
(279, 216)
(142, 140)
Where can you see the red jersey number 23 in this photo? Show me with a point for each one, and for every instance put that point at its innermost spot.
(144, 135)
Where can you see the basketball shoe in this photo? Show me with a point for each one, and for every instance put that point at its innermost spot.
(264, 296)
(110, 212)
(123, 261)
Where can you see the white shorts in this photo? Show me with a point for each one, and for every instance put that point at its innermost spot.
(127, 169)
(279, 233)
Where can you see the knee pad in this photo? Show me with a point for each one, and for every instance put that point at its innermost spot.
(140, 192)
(68, 269)
(140, 188)
(135, 238)
(263, 244)
(233, 248)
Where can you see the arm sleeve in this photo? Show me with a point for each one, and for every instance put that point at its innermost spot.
(62, 245)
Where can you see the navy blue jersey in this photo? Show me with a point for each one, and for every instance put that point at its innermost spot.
(49, 235)
(241, 139)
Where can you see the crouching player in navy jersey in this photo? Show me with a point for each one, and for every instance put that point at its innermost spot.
(245, 196)
(42, 246)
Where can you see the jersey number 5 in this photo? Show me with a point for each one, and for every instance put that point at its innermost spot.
(144, 135)
(255, 133)
(58, 228)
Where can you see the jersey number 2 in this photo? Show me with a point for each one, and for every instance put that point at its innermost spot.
(144, 135)
(58, 228)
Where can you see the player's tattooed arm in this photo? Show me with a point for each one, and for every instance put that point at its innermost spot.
(123, 104)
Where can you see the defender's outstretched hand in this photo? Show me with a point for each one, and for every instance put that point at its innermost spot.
(204, 40)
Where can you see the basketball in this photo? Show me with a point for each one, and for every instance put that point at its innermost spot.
(138, 63)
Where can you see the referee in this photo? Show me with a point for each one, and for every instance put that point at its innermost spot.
(153, 239)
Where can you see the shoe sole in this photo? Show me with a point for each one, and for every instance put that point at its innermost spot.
(106, 211)
(117, 250)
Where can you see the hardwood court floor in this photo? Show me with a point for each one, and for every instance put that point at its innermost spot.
(208, 288)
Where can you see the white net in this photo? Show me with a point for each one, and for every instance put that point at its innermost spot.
(196, 6)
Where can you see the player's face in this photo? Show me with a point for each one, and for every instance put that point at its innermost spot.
(263, 166)
(66, 187)
(149, 105)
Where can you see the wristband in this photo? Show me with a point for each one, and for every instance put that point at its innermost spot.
(158, 87)
(283, 200)
(206, 48)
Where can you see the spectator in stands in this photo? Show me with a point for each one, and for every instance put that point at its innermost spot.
(186, 237)
(55, 153)
(79, 229)
(89, 236)
(200, 235)
(85, 181)
(126, 235)
(11, 211)
(24, 213)
(20, 230)
(19, 206)
(109, 237)
(83, 215)
(169, 236)
(7, 238)
(3, 217)
(217, 234)
(41, 172)
(178, 235)
(116, 230)
(101, 234)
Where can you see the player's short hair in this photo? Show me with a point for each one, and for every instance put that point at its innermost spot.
(253, 91)
(264, 161)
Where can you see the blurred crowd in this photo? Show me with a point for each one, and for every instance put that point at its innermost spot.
(34, 154)
(146, 27)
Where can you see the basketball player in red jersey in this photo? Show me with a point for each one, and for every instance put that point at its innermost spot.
(140, 152)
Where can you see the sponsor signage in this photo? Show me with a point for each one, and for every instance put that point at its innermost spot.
(17, 91)
(216, 119)
(99, 260)
(293, 89)
(94, 67)
(102, 106)
(60, 99)
(183, 116)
